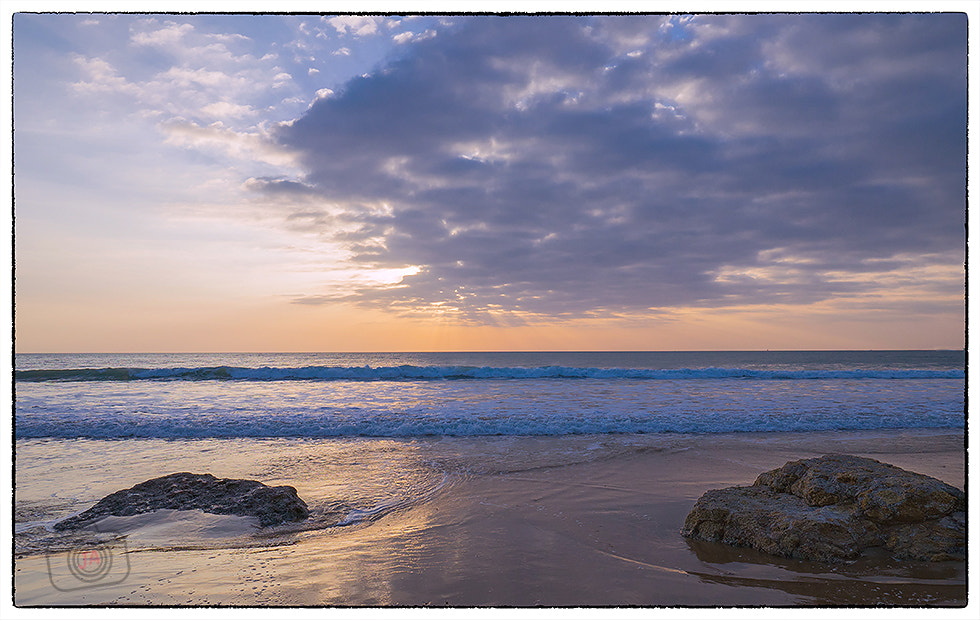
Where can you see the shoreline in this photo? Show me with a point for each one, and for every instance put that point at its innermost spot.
(545, 527)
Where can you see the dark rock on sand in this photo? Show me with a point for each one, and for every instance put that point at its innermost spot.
(186, 491)
(831, 508)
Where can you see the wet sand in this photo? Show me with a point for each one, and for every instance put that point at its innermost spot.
(605, 532)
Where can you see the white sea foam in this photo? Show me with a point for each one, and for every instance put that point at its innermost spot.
(532, 407)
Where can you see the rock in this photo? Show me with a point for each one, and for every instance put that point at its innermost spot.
(186, 491)
(884, 492)
(831, 508)
(777, 523)
(934, 541)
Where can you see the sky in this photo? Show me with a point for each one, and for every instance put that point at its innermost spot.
(307, 182)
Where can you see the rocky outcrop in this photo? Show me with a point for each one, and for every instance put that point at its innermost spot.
(831, 508)
(186, 491)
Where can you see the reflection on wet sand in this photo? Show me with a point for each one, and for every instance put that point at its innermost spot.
(873, 579)
(517, 521)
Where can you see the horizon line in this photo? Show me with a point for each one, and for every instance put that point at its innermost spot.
(365, 352)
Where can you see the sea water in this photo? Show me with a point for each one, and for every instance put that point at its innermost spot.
(361, 435)
(479, 394)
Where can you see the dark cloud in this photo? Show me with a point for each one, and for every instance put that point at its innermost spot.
(281, 188)
(578, 165)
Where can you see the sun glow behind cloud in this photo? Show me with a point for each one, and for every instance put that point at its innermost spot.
(483, 182)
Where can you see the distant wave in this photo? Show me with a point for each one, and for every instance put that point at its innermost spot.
(432, 373)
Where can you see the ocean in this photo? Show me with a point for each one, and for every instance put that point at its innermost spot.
(363, 435)
(172, 396)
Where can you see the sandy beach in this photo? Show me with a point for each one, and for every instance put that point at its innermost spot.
(596, 531)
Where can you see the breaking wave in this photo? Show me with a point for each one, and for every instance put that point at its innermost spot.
(435, 373)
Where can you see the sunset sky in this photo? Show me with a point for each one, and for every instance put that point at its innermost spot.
(392, 183)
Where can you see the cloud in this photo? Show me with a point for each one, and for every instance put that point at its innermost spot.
(253, 146)
(101, 76)
(356, 25)
(187, 72)
(185, 77)
(280, 187)
(403, 37)
(232, 37)
(567, 166)
(225, 109)
(409, 36)
(323, 93)
(169, 35)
